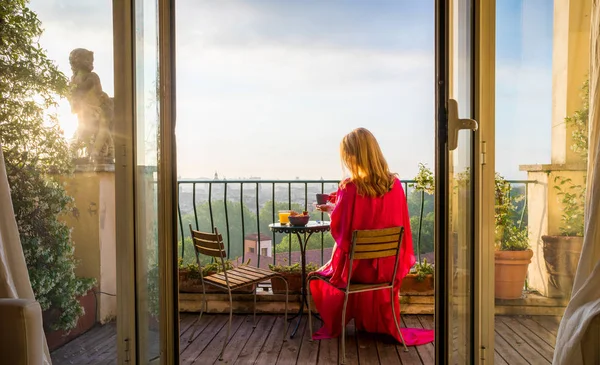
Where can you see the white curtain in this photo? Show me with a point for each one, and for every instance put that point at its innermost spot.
(577, 341)
(14, 278)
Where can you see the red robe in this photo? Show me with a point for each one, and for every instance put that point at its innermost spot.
(371, 311)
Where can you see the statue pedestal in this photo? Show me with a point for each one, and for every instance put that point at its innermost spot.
(544, 212)
(94, 231)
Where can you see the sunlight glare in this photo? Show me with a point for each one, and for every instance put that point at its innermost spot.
(67, 120)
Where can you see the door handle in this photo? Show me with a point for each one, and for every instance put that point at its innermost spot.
(455, 124)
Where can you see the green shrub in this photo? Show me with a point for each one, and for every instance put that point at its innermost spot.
(422, 269)
(35, 152)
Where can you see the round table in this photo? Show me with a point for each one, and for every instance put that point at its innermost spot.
(303, 233)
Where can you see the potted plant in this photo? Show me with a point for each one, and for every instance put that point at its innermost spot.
(293, 274)
(512, 255)
(562, 252)
(419, 281)
(190, 281)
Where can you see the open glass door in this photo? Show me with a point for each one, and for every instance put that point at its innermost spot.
(145, 151)
(455, 183)
(156, 312)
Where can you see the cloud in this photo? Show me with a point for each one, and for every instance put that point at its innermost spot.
(277, 102)
(379, 24)
(278, 82)
(269, 81)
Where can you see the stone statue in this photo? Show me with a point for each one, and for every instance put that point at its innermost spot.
(94, 109)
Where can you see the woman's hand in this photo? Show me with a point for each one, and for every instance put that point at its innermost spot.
(325, 208)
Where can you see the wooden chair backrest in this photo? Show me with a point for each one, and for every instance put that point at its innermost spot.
(210, 244)
(373, 244)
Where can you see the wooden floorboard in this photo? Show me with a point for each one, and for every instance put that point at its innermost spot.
(505, 351)
(412, 355)
(550, 323)
(309, 350)
(351, 345)
(386, 350)
(529, 337)
(255, 343)
(202, 339)
(272, 347)
(292, 346)
(238, 341)
(211, 352)
(519, 340)
(426, 352)
(519, 345)
(538, 329)
(367, 348)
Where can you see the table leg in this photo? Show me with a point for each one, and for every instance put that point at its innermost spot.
(303, 290)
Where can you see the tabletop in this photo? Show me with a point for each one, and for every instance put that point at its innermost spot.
(311, 226)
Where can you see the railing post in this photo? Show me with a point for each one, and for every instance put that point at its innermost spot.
(227, 221)
(194, 205)
(258, 226)
(212, 222)
(182, 232)
(243, 228)
(273, 234)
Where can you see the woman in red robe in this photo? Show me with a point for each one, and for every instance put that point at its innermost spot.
(372, 198)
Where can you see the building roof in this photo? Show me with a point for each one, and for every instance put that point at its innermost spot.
(254, 237)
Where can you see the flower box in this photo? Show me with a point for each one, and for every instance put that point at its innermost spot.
(294, 283)
(411, 285)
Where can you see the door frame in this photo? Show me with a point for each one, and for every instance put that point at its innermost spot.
(125, 191)
(124, 117)
(482, 282)
(167, 183)
(485, 114)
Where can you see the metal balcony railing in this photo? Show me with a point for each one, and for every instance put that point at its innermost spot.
(244, 208)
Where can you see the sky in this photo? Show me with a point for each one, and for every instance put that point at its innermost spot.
(267, 88)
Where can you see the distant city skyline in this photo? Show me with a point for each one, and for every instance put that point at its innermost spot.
(268, 88)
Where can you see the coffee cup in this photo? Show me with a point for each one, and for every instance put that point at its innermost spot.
(322, 198)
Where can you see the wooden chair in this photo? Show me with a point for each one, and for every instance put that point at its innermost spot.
(211, 244)
(366, 244)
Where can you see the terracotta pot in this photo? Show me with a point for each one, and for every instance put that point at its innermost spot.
(561, 255)
(188, 284)
(410, 285)
(294, 282)
(511, 270)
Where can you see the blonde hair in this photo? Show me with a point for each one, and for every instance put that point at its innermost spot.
(369, 170)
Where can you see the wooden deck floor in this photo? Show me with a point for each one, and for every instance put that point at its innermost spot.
(519, 340)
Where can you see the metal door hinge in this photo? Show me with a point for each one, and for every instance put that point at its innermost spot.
(483, 152)
(124, 154)
(127, 358)
(483, 354)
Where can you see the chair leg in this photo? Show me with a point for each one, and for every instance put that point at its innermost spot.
(396, 321)
(203, 307)
(310, 329)
(254, 316)
(228, 326)
(285, 321)
(344, 329)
